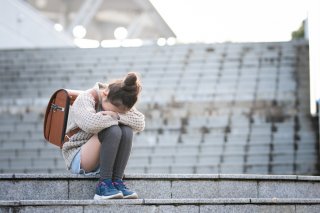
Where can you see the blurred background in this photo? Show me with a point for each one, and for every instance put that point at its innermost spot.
(228, 86)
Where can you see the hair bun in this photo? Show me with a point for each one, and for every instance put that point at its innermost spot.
(130, 79)
(124, 92)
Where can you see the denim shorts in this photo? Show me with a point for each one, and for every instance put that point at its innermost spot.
(75, 166)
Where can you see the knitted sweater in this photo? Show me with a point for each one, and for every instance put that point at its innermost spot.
(83, 115)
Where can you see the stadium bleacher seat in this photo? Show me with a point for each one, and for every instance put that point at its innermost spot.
(210, 108)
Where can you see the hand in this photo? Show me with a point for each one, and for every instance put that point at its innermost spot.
(111, 113)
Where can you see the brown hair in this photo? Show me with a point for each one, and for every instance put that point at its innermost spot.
(124, 92)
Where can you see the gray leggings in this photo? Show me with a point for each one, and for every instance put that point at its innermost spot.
(116, 143)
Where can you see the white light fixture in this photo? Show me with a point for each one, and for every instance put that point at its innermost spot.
(120, 33)
(171, 41)
(58, 27)
(110, 43)
(79, 31)
(86, 43)
(161, 41)
(132, 43)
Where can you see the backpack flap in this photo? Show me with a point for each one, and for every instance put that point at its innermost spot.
(56, 116)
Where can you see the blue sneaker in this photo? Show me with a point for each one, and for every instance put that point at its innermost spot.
(127, 193)
(106, 190)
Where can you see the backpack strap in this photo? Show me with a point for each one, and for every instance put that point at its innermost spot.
(71, 133)
(95, 95)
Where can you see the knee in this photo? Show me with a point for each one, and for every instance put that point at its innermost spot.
(114, 132)
(127, 131)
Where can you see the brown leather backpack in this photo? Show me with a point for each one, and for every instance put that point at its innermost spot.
(56, 117)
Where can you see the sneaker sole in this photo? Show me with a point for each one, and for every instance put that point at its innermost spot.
(116, 196)
(132, 196)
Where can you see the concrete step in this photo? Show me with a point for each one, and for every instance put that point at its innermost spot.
(165, 205)
(161, 186)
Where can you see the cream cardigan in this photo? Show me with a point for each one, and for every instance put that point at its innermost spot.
(83, 115)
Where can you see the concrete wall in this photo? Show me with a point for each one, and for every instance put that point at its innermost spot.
(21, 26)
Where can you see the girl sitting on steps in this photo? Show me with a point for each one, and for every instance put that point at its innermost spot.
(103, 143)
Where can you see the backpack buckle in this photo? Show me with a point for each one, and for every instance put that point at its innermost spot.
(66, 138)
(56, 107)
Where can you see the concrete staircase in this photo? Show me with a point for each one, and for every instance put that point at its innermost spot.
(210, 108)
(163, 193)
